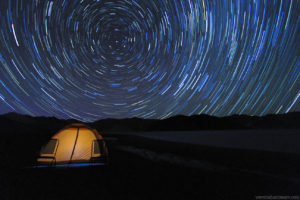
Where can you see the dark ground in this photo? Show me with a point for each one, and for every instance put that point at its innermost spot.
(143, 168)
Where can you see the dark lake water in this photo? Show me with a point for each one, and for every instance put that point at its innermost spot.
(268, 140)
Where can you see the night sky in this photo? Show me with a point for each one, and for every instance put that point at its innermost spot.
(94, 59)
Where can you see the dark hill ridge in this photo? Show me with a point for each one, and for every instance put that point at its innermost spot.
(10, 121)
(202, 122)
(13, 122)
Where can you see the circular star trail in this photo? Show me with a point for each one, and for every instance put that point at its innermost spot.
(94, 59)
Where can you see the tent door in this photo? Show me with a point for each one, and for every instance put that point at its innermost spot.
(66, 145)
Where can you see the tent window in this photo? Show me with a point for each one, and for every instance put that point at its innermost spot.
(50, 147)
(98, 146)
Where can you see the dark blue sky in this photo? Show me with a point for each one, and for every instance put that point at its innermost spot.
(89, 59)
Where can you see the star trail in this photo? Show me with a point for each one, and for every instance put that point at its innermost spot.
(95, 59)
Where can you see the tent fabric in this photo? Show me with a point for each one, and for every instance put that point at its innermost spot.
(74, 144)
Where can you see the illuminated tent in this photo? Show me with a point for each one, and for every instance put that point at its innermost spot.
(76, 143)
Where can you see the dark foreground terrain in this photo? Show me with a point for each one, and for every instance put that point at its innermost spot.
(145, 168)
(159, 165)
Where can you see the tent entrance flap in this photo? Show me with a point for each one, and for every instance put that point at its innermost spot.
(74, 145)
(83, 146)
(66, 140)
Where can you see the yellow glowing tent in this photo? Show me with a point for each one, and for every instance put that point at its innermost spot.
(76, 143)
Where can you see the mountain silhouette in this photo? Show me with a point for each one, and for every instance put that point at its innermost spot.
(14, 121)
